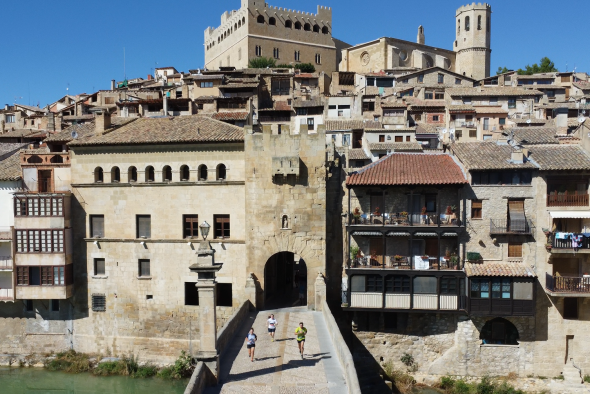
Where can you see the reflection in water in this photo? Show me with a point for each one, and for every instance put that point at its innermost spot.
(40, 381)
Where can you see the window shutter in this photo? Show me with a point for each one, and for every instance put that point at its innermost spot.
(98, 226)
(514, 250)
(144, 226)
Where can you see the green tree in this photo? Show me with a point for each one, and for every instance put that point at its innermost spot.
(304, 67)
(262, 62)
(545, 66)
(502, 70)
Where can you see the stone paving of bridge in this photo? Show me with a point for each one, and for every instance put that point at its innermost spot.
(278, 367)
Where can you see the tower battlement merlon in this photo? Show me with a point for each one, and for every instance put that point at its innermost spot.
(474, 6)
(323, 12)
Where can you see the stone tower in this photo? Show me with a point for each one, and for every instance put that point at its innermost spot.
(421, 39)
(472, 43)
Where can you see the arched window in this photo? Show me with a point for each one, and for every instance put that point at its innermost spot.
(316, 29)
(98, 175)
(479, 22)
(167, 174)
(467, 23)
(288, 24)
(235, 26)
(132, 174)
(185, 173)
(272, 21)
(115, 175)
(203, 172)
(149, 174)
(297, 25)
(218, 40)
(488, 24)
(239, 23)
(458, 26)
(499, 331)
(221, 172)
(307, 27)
(243, 20)
(35, 159)
(325, 30)
(260, 19)
(57, 159)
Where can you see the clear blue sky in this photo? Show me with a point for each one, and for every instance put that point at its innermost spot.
(52, 45)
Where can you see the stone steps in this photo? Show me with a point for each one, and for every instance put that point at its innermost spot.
(571, 375)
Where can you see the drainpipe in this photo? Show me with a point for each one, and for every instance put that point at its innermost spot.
(165, 103)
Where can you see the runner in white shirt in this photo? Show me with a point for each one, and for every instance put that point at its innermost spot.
(272, 326)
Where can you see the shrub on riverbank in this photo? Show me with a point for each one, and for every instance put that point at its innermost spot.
(70, 361)
(183, 368)
(450, 385)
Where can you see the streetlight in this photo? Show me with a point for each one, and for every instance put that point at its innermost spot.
(204, 230)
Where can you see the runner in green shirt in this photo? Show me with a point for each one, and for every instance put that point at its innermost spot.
(300, 332)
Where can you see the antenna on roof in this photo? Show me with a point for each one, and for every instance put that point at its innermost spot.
(74, 134)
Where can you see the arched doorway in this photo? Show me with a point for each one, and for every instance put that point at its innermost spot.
(285, 277)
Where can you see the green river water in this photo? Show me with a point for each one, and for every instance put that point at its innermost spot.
(41, 381)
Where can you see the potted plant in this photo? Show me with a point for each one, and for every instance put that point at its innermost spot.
(355, 252)
(398, 258)
(423, 212)
(377, 213)
(454, 261)
(357, 215)
(449, 211)
(548, 246)
(474, 257)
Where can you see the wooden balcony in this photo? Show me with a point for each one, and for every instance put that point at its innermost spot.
(397, 262)
(567, 200)
(559, 245)
(405, 219)
(567, 285)
(44, 159)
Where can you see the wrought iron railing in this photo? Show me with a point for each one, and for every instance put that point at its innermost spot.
(506, 226)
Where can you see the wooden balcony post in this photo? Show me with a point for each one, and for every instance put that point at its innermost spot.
(438, 207)
(439, 246)
(410, 207)
(384, 251)
(349, 213)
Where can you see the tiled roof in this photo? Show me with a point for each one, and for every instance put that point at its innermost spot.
(490, 110)
(187, 129)
(357, 154)
(239, 85)
(396, 146)
(427, 128)
(333, 125)
(569, 105)
(209, 77)
(582, 85)
(560, 157)
(396, 130)
(306, 75)
(461, 108)
(538, 76)
(10, 169)
(29, 108)
(535, 135)
(526, 122)
(85, 130)
(20, 133)
(316, 102)
(393, 104)
(8, 148)
(282, 106)
(499, 91)
(499, 269)
(574, 122)
(544, 86)
(486, 155)
(231, 116)
(427, 104)
(410, 169)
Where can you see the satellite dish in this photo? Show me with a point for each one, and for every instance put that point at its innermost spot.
(74, 134)
(452, 131)
(581, 119)
(528, 121)
(444, 131)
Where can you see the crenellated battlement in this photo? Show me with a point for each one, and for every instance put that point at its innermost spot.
(474, 7)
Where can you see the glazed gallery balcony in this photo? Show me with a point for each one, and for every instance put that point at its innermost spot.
(442, 292)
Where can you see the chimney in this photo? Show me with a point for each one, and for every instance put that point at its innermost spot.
(517, 157)
(150, 77)
(113, 84)
(102, 121)
(6, 107)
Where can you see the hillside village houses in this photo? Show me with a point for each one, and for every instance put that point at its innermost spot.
(447, 209)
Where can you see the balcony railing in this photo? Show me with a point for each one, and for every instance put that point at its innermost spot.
(274, 119)
(566, 284)
(416, 219)
(505, 226)
(389, 300)
(567, 200)
(5, 233)
(570, 241)
(6, 294)
(5, 263)
(397, 262)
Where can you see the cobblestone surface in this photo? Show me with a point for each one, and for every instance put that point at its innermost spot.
(278, 367)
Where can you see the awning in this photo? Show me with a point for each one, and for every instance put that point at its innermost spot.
(397, 234)
(426, 235)
(450, 235)
(368, 233)
(570, 214)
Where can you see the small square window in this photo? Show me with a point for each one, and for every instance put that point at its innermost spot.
(473, 133)
(457, 81)
(29, 305)
(96, 226)
(143, 225)
(191, 226)
(191, 294)
(99, 303)
(55, 305)
(222, 228)
(420, 78)
(514, 250)
(224, 294)
(476, 209)
(144, 268)
(99, 267)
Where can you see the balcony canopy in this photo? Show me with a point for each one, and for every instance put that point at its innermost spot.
(400, 169)
(570, 214)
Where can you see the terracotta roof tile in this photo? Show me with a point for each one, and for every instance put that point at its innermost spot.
(85, 130)
(497, 91)
(357, 154)
(490, 110)
(535, 135)
(410, 169)
(20, 133)
(7, 149)
(560, 157)
(231, 116)
(516, 269)
(10, 169)
(487, 155)
(393, 104)
(316, 102)
(334, 125)
(181, 129)
(396, 146)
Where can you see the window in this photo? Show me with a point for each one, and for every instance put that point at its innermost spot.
(493, 100)
(185, 173)
(109, 100)
(466, 100)
(421, 78)
(472, 133)
(467, 23)
(288, 24)
(191, 226)
(511, 102)
(435, 118)
(570, 308)
(144, 268)
(221, 226)
(480, 288)
(224, 294)
(99, 267)
(207, 84)
(488, 24)
(98, 175)
(425, 285)
(203, 172)
(167, 174)
(441, 78)
(316, 29)
(479, 22)
(439, 95)
(143, 226)
(191, 294)
(501, 288)
(318, 58)
(55, 305)
(458, 26)
(150, 174)
(307, 27)
(393, 112)
(39, 241)
(132, 174)
(45, 275)
(486, 123)
(99, 303)
(275, 53)
(502, 121)
(374, 283)
(514, 250)
(428, 95)
(38, 206)
(221, 172)
(408, 139)
(10, 119)
(369, 106)
(550, 93)
(115, 175)
(448, 286)
(29, 305)
(501, 177)
(272, 21)
(96, 226)
(398, 138)
(310, 124)
(325, 30)
(499, 332)
(22, 276)
(260, 19)
(301, 111)
(457, 81)
(297, 25)
(258, 50)
(522, 290)
(397, 284)
(476, 209)
(346, 140)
